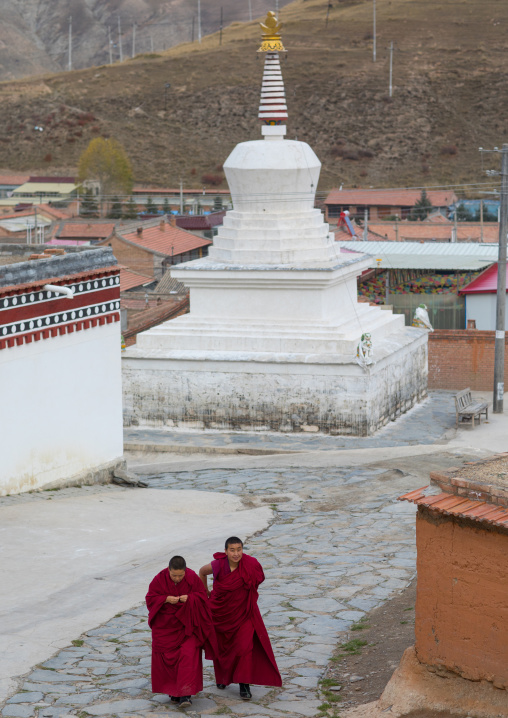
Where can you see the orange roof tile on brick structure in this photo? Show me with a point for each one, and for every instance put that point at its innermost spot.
(92, 230)
(406, 231)
(452, 505)
(161, 237)
(130, 279)
(389, 197)
(14, 179)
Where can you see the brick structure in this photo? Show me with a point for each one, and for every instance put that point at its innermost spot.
(461, 622)
(461, 358)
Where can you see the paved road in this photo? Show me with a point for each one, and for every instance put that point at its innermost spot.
(339, 545)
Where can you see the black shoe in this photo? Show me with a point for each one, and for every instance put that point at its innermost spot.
(245, 691)
(184, 701)
(221, 686)
(174, 699)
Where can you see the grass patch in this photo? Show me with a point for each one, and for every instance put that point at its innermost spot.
(222, 711)
(403, 622)
(360, 625)
(328, 682)
(353, 646)
(113, 640)
(324, 707)
(332, 697)
(78, 642)
(410, 608)
(118, 615)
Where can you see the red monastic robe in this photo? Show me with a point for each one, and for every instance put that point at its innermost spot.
(179, 632)
(245, 653)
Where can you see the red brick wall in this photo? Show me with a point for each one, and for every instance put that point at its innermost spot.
(460, 358)
(133, 257)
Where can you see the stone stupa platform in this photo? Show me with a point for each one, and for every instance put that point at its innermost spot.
(272, 335)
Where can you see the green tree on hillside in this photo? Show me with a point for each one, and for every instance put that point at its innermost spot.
(88, 206)
(166, 207)
(464, 215)
(422, 207)
(115, 211)
(105, 160)
(150, 207)
(130, 210)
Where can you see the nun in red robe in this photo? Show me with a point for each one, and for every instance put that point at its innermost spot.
(245, 653)
(180, 619)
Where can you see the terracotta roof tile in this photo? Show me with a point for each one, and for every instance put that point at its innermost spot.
(90, 230)
(200, 221)
(389, 197)
(451, 505)
(130, 279)
(164, 238)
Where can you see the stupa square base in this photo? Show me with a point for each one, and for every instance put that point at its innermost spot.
(275, 392)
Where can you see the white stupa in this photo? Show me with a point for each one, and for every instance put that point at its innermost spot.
(272, 338)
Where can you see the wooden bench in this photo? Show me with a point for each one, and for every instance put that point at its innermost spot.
(467, 410)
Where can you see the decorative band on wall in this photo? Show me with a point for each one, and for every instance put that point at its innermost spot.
(47, 332)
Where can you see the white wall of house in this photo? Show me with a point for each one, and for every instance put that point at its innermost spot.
(60, 408)
(482, 308)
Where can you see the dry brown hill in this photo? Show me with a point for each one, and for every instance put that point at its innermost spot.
(448, 99)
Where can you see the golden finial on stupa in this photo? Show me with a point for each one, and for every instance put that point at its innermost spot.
(271, 34)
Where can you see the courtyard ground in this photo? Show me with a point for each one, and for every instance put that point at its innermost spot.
(337, 548)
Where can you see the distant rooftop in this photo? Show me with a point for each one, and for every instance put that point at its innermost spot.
(427, 255)
(389, 197)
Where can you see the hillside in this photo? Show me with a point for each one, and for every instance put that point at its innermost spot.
(448, 98)
(34, 34)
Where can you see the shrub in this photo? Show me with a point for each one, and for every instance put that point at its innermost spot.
(366, 154)
(212, 179)
(337, 151)
(448, 150)
(96, 129)
(351, 155)
(48, 157)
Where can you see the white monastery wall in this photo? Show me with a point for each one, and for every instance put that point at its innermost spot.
(482, 308)
(61, 412)
(60, 371)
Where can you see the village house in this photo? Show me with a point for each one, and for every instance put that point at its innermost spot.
(203, 225)
(10, 182)
(150, 247)
(31, 225)
(481, 298)
(183, 201)
(382, 203)
(82, 232)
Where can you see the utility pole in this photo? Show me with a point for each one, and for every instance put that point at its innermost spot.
(110, 46)
(70, 43)
(250, 10)
(365, 224)
(374, 33)
(199, 20)
(390, 90)
(328, 8)
(454, 229)
(181, 196)
(276, 8)
(151, 42)
(396, 227)
(192, 31)
(481, 220)
(220, 33)
(501, 289)
(120, 39)
(133, 39)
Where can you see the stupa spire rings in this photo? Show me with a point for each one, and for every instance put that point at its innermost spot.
(271, 34)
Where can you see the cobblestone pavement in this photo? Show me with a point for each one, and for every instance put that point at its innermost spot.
(425, 423)
(339, 545)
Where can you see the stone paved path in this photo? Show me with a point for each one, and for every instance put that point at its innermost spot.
(426, 423)
(339, 545)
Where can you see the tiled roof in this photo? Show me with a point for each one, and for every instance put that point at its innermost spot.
(13, 179)
(159, 236)
(169, 285)
(52, 180)
(486, 283)
(452, 505)
(407, 231)
(389, 197)
(130, 279)
(200, 221)
(427, 255)
(90, 230)
(156, 315)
